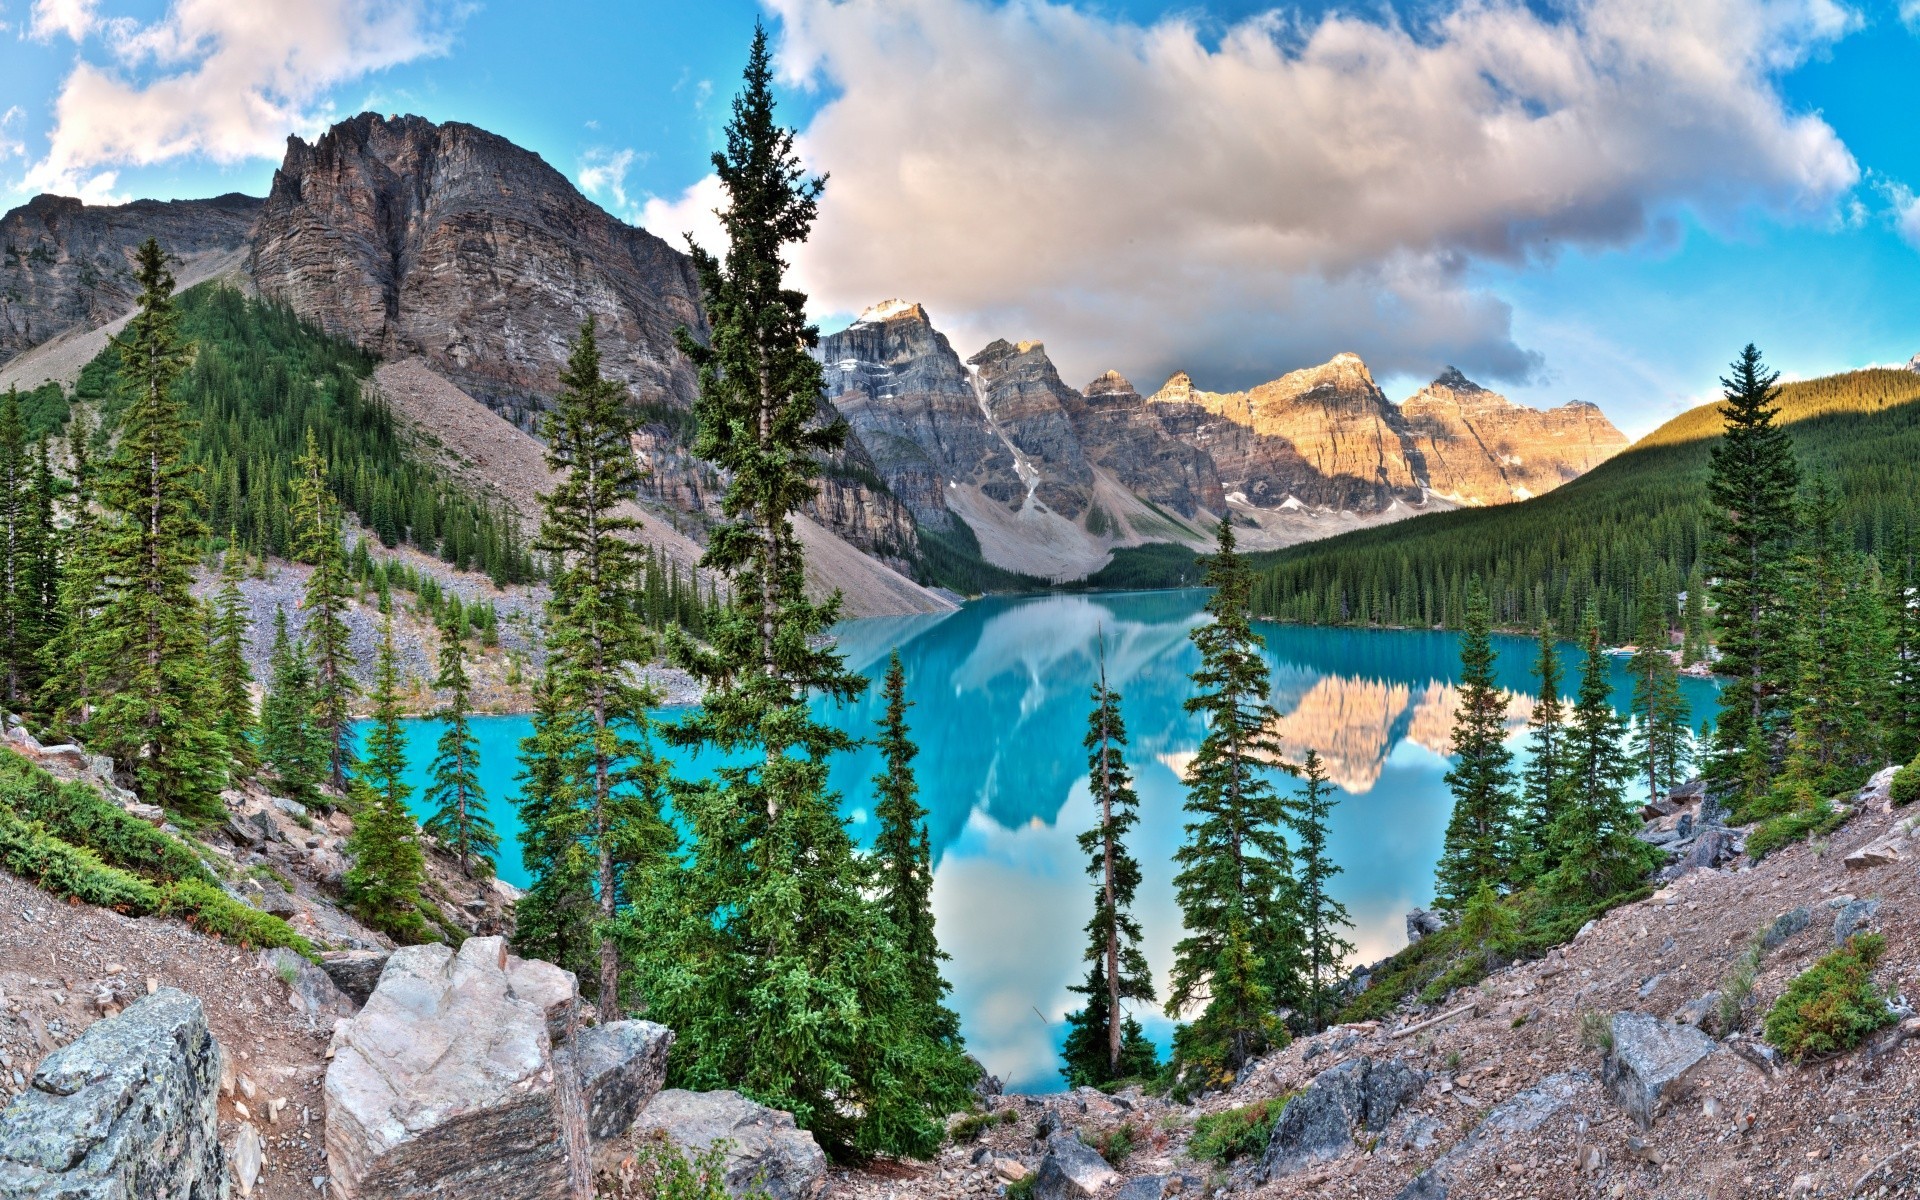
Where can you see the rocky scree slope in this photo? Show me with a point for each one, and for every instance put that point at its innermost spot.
(1000, 443)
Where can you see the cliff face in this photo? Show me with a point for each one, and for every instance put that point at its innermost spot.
(67, 265)
(912, 404)
(1024, 396)
(448, 242)
(1481, 448)
(1155, 453)
(1324, 436)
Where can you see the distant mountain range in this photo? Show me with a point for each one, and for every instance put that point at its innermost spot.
(1049, 479)
(463, 256)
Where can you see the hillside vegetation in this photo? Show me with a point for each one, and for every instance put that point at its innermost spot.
(1637, 521)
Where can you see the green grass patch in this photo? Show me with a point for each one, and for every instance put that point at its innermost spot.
(1834, 1004)
(1778, 832)
(1115, 1144)
(969, 1128)
(1906, 784)
(1237, 1132)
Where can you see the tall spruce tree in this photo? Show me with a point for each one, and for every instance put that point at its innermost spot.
(1113, 935)
(1842, 664)
(1543, 781)
(454, 793)
(290, 740)
(69, 687)
(19, 658)
(1902, 620)
(1751, 487)
(143, 642)
(1321, 917)
(1241, 951)
(803, 1001)
(1593, 842)
(232, 678)
(383, 884)
(329, 592)
(903, 854)
(596, 635)
(1479, 837)
(555, 920)
(1694, 647)
(1662, 740)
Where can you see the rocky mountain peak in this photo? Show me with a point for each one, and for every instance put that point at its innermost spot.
(1178, 389)
(1112, 383)
(451, 243)
(893, 310)
(1913, 364)
(1455, 381)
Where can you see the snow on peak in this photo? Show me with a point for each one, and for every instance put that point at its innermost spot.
(886, 310)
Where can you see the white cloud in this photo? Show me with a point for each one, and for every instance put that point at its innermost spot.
(1906, 212)
(72, 19)
(1910, 13)
(1143, 199)
(10, 122)
(224, 80)
(692, 214)
(603, 175)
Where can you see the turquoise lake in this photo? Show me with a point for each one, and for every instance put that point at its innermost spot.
(1000, 690)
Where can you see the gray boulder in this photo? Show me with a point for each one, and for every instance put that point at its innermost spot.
(1160, 1187)
(1504, 1123)
(621, 1066)
(1421, 923)
(1786, 926)
(311, 992)
(355, 972)
(128, 1109)
(765, 1151)
(1857, 915)
(1072, 1170)
(1318, 1124)
(448, 1084)
(1649, 1056)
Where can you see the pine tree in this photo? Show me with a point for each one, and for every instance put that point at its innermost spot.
(290, 740)
(1902, 620)
(232, 679)
(1593, 841)
(69, 689)
(143, 644)
(1752, 485)
(45, 570)
(1241, 951)
(1543, 782)
(554, 921)
(1321, 917)
(1479, 835)
(1113, 935)
(903, 855)
(803, 1000)
(1694, 649)
(18, 604)
(388, 870)
(1662, 740)
(1086, 1050)
(316, 515)
(459, 804)
(596, 634)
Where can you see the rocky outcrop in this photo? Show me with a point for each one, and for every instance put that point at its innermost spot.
(911, 402)
(1504, 1124)
(1150, 450)
(130, 1108)
(1649, 1056)
(1481, 448)
(1072, 1170)
(464, 1076)
(452, 243)
(1024, 396)
(1318, 1124)
(68, 265)
(764, 1150)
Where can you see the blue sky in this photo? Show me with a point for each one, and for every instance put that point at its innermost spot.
(1234, 189)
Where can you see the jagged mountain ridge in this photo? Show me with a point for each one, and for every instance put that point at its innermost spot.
(442, 243)
(1314, 452)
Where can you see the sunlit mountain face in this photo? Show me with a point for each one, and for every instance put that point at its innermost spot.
(1000, 693)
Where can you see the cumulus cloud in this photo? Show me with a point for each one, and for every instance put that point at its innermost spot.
(1910, 13)
(1906, 212)
(690, 216)
(603, 175)
(210, 77)
(10, 123)
(1141, 197)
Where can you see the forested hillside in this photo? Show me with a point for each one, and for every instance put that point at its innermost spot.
(260, 380)
(1636, 522)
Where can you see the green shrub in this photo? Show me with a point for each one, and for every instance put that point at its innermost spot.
(29, 851)
(1906, 784)
(659, 1170)
(1022, 1188)
(1596, 1031)
(1237, 1132)
(1115, 1144)
(1832, 1005)
(77, 814)
(1736, 990)
(1781, 831)
(969, 1128)
(211, 910)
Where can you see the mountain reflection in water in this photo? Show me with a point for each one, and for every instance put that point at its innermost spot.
(1001, 692)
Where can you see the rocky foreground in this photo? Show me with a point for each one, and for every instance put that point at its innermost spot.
(141, 1058)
